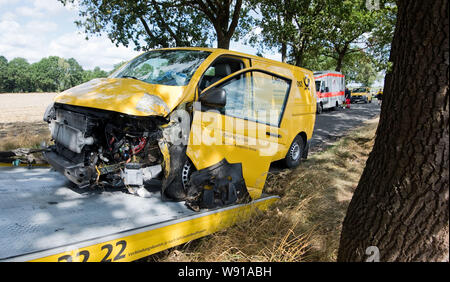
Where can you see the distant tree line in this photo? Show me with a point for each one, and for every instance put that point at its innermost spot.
(52, 74)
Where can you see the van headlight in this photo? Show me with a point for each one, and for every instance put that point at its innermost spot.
(50, 113)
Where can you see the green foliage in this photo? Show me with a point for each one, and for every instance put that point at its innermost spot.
(52, 74)
(359, 67)
(153, 24)
(18, 77)
(326, 34)
(293, 27)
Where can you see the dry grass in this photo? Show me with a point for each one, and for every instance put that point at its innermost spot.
(23, 135)
(305, 224)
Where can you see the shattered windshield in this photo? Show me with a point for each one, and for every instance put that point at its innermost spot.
(166, 67)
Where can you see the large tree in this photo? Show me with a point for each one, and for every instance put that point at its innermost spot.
(292, 26)
(162, 23)
(348, 25)
(400, 206)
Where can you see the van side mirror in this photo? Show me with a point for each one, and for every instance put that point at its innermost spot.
(216, 97)
(327, 89)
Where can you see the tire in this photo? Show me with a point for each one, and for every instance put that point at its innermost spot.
(319, 108)
(174, 186)
(295, 152)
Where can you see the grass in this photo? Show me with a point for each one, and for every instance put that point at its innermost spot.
(23, 135)
(305, 224)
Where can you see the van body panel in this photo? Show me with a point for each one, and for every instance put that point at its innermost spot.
(124, 95)
(254, 144)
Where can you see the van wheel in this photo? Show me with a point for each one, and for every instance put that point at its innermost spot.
(174, 185)
(186, 171)
(319, 108)
(294, 155)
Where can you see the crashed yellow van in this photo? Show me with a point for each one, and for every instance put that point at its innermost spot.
(202, 124)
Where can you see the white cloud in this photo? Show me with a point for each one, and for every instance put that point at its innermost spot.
(29, 12)
(8, 2)
(97, 51)
(29, 31)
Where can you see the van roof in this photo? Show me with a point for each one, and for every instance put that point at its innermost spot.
(235, 53)
(326, 71)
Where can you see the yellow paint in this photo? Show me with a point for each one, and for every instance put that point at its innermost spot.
(136, 246)
(248, 144)
(122, 95)
(22, 165)
(365, 93)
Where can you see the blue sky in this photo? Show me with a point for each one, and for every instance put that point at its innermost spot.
(34, 29)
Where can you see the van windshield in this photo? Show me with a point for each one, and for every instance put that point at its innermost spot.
(318, 86)
(166, 67)
(359, 90)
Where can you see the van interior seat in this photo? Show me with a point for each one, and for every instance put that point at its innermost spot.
(222, 70)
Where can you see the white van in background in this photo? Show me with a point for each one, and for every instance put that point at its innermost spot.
(330, 88)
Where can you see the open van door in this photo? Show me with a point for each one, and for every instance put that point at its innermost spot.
(237, 121)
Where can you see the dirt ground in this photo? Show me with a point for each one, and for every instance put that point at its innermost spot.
(21, 123)
(24, 107)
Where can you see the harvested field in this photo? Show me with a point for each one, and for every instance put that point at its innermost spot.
(21, 123)
(24, 107)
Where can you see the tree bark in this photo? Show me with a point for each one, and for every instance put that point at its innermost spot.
(341, 54)
(400, 206)
(223, 41)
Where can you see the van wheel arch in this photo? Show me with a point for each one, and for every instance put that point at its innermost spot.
(297, 150)
(319, 108)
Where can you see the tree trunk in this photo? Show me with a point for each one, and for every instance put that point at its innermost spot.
(339, 62)
(223, 41)
(283, 52)
(400, 211)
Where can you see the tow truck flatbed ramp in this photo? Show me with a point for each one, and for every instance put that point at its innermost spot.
(43, 219)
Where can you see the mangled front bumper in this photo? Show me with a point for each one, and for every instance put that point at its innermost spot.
(76, 173)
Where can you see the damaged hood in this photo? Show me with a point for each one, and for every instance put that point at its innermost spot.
(124, 95)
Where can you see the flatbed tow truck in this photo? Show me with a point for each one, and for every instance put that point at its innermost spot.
(45, 219)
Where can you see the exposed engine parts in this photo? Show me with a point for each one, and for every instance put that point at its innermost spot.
(102, 148)
(94, 147)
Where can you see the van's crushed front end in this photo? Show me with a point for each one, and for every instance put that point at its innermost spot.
(101, 147)
(131, 131)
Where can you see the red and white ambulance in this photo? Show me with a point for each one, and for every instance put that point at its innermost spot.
(330, 89)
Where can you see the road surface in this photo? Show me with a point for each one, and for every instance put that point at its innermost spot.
(331, 125)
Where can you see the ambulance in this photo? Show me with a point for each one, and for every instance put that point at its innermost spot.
(330, 89)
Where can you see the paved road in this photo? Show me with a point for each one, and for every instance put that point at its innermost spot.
(331, 125)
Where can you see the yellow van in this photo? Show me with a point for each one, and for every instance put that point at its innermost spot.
(361, 94)
(204, 124)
